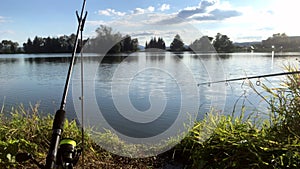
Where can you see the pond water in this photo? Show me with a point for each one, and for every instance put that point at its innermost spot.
(140, 82)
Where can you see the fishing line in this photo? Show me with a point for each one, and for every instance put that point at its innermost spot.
(258, 83)
(80, 19)
(82, 103)
(251, 77)
(244, 98)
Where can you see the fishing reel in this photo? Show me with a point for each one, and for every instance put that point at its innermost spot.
(67, 156)
(68, 153)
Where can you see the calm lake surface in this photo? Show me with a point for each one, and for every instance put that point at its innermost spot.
(40, 78)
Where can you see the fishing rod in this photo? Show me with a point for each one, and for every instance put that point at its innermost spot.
(62, 153)
(251, 77)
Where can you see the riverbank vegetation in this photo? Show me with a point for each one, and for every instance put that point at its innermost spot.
(218, 141)
(241, 142)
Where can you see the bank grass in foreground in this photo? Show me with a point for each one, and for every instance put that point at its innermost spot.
(239, 142)
(26, 131)
(218, 141)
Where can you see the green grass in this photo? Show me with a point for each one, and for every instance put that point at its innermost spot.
(238, 142)
(27, 131)
(218, 141)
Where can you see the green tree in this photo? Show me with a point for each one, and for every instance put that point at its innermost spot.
(203, 44)
(71, 41)
(177, 44)
(153, 43)
(9, 46)
(117, 48)
(135, 44)
(14, 47)
(28, 46)
(37, 44)
(106, 41)
(161, 44)
(62, 44)
(127, 47)
(1, 46)
(222, 43)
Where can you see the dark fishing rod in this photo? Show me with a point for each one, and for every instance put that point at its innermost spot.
(63, 153)
(58, 123)
(251, 77)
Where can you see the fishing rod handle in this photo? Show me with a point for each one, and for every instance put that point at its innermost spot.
(57, 130)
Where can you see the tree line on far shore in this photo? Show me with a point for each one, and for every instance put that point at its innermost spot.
(221, 43)
(62, 44)
(108, 41)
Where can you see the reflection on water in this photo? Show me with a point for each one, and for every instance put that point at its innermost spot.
(8, 60)
(40, 78)
(52, 60)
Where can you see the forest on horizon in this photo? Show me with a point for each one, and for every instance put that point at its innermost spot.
(125, 44)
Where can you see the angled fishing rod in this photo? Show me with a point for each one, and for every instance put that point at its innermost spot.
(62, 153)
(251, 77)
(58, 123)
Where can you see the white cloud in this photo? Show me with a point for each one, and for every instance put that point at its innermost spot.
(104, 12)
(96, 23)
(164, 7)
(3, 19)
(111, 12)
(144, 26)
(258, 24)
(239, 23)
(142, 23)
(206, 10)
(143, 10)
(7, 32)
(285, 16)
(139, 11)
(151, 9)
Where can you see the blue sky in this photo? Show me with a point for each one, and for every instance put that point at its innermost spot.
(241, 20)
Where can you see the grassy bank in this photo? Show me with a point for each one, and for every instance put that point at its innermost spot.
(27, 131)
(216, 142)
(241, 143)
